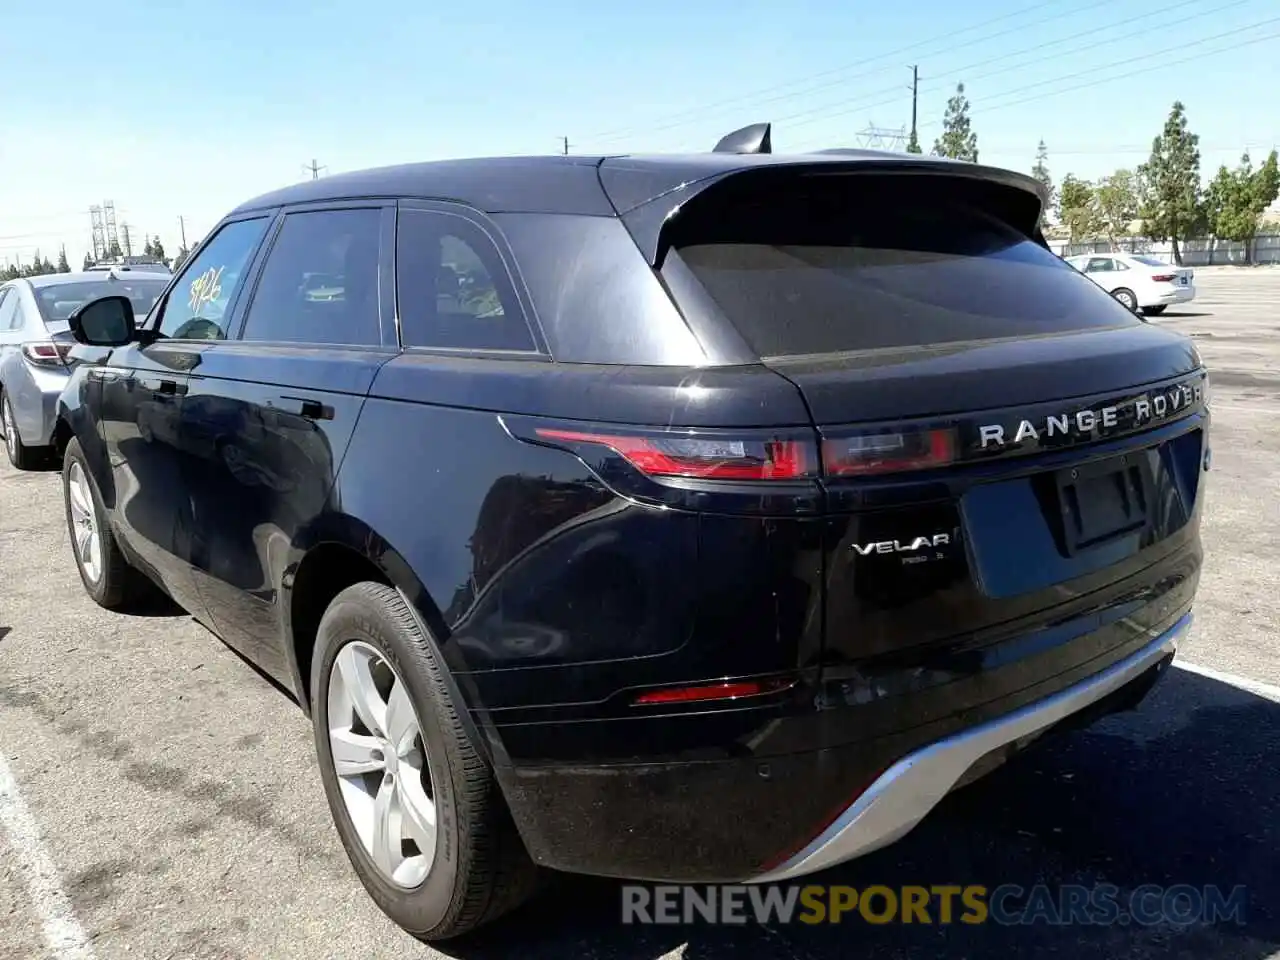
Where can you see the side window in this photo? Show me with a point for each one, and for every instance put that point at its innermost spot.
(8, 306)
(1099, 265)
(20, 314)
(1119, 265)
(320, 282)
(196, 308)
(452, 287)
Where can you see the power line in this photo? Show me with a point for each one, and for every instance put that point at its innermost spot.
(823, 112)
(948, 38)
(1058, 79)
(984, 108)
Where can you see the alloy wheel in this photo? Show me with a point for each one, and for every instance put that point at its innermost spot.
(84, 523)
(379, 757)
(1127, 299)
(10, 428)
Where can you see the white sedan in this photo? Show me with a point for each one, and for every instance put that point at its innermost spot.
(1139, 282)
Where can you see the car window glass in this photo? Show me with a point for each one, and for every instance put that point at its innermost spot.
(320, 282)
(1099, 265)
(1119, 265)
(814, 265)
(8, 303)
(452, 287)
(19, 319)
(196, 308)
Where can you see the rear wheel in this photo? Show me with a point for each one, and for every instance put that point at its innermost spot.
(1155, 311)
(1126, 297)
(20, 455)
(417, 808)
(107, 576)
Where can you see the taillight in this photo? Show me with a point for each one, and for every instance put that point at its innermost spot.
(1165, 277)
(46, 354)
(701, 455)
(888, 452)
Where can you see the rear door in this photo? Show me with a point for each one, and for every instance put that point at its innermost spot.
(269, 412)
(1000, 439)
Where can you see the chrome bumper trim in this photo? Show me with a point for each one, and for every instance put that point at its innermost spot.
(902, 796)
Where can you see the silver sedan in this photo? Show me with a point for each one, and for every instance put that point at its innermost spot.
(34, 343)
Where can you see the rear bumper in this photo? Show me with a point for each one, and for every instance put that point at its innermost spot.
(34, 393)
(1179, 295)
(775, 792)
(901, 796)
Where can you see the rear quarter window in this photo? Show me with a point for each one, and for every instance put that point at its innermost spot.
(865, 262)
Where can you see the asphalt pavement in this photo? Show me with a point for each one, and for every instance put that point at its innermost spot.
(159, 799)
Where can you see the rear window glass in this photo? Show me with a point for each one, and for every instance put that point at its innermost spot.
(874, 262)
(59, 300)
(1151, 261)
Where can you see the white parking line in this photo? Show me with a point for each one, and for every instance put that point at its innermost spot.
(1247, 684)
(63, 933)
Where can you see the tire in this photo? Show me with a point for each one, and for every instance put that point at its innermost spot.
(1127, 298)
(111, 581)
(20, 455)
(478, 868)
(1155, 311)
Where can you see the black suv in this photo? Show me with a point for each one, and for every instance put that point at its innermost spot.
(687, 518)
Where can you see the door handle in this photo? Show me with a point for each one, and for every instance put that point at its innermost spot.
(306, 408)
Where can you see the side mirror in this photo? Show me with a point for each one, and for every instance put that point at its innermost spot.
(105, 322)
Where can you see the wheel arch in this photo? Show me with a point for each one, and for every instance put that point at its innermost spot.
(336, 553)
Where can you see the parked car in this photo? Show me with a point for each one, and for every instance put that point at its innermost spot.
(1138, 281)
(34, 342)
(687, 518)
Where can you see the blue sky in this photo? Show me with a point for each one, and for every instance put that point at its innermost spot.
(188, 109)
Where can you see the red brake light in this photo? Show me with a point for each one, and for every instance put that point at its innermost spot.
(713, 691)
(46, 354)
(1165, 277)
(701, 457)
(864, 454)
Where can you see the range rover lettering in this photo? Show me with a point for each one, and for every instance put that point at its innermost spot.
(596, 507)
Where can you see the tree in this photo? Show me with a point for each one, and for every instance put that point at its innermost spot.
(180, 259)
(1236, 200)
(148, 250)
(1041, 172)
(63, 266)
(958, 141)
(88, 261)
(1078, 208)
(1170, 207)
(913, 143)
(1117, 197)
(157, 249)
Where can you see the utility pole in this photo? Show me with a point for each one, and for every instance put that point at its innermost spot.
(128, 247)
(915, 96)
(566, 145)
(314, 168)
(182, 230)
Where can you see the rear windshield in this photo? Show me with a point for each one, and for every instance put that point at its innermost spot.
(58, 301)
(873, 262)
(1151, 261)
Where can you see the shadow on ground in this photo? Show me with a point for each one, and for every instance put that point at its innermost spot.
(1183, 791)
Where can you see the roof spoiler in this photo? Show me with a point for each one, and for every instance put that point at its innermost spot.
(753, 139)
